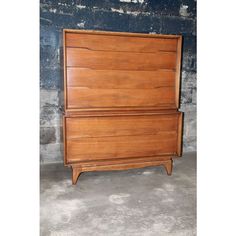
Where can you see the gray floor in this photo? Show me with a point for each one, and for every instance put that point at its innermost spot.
(134, 202)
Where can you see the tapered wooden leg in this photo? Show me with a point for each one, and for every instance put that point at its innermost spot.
(76, 171)
(168, 166)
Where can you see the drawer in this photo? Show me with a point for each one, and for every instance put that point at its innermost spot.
(99, 138)
(126, 44)
(79, 97)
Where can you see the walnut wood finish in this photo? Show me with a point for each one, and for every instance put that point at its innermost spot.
(168, 166)
(105, 41)
(78, 168)
(76, 171)
(95, 138)
(120, 97)
(121, 94)
(85, 58)
(110, 79)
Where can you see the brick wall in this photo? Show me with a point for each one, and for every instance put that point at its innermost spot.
(144, 16)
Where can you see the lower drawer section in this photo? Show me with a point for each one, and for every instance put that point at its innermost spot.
(101, 138)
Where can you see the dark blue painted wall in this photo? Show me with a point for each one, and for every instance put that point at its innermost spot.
(144, 16)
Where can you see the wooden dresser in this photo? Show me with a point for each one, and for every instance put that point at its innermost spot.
(121, 93)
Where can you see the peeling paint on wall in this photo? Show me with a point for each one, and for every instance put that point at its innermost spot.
(53, 10)
(134, 13)
(117, 10)
(80, 6)
(183, 11)
(81, 24)
(134, 1)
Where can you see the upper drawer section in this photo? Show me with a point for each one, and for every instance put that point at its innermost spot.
(118, 70)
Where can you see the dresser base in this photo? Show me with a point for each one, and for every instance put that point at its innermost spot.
(77, 169)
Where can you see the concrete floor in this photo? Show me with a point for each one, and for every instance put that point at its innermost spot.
(138, 202)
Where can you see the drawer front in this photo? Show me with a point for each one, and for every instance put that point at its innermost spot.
(99, 138)
(103, 98)
(102, 42)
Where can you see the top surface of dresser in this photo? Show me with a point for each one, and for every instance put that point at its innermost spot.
(109, 71)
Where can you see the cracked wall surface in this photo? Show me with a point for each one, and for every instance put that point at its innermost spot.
(142, 16)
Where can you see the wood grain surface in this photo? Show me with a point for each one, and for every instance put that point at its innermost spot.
(121, 94)
(113, 79)
(120, 43)
(117, 137)
(90, 127)
(85, 98)
(85, 58)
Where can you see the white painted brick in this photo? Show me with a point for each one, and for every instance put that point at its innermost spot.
(49, 98)
(50, 153)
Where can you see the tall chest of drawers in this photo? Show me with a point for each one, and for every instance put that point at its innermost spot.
(121, 100)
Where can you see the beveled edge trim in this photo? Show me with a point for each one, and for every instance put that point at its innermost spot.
(123, 166)
(65, 68)
(120, 109)
(129, 160)
(119, 113)
(178, 71)
(179, 133)
(116, 161)
(64, 141)
(116, 33)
